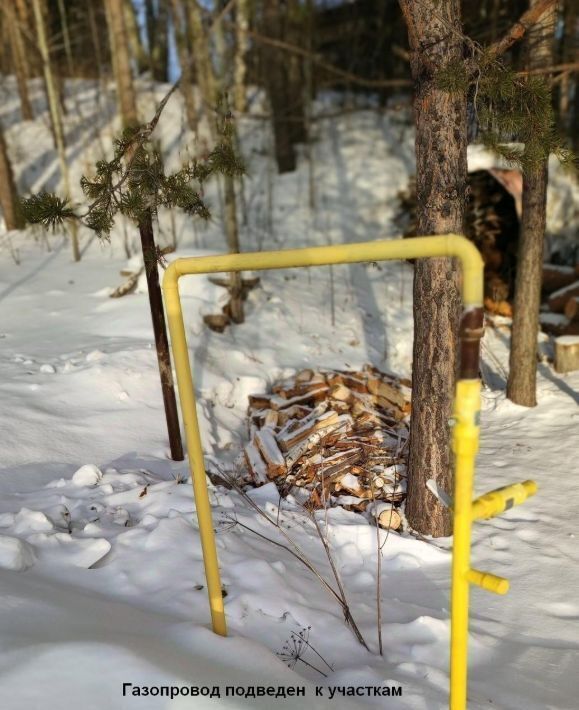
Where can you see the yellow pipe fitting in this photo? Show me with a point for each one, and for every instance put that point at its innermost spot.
(488, 581)
(501, 499)
(467, 404)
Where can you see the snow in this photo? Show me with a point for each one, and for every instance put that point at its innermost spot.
(101, 565)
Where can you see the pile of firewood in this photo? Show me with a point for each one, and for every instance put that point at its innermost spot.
(561, 296)
(339, 436)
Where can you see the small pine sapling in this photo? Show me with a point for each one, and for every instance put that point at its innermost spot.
(134, 184)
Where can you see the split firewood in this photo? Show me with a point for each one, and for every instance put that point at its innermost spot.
(558, 300)
(274, 460)
(341, 393)
(572, 309)
(556, 277)
(255, 464)
(386, 391)
(337, 434)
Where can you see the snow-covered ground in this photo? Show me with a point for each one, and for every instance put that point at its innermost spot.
(101, 575)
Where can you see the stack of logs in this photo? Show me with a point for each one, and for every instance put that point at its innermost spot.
(561, 291)
(339, 436)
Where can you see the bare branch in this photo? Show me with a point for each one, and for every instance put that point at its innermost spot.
(521, 27)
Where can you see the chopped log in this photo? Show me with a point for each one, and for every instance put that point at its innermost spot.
(387, 516)
(270, 418)
(499, 308)
(291, 437)
(567, 353)
(274, 460)
(341, 393)
(255, 464)
(558, 300)
(382, 389)
(278, 402)
(556, 277)
(572, 309)
(260, 401)
(304, 375)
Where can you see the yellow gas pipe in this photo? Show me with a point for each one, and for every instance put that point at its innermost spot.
(466, 412)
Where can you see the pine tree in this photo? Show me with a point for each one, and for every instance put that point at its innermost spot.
(441, 170)
(134, 184)
(522, 381)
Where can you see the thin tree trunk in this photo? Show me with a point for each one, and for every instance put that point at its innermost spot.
(158, 38)
(209, 88)
(185, 61)
(441, 171)
(55, 115)
(522, 381)
(283, 82)
(122, 62)
(20, 60)
(241, 47)
(8, 194)
(161, 339)
(136, 46)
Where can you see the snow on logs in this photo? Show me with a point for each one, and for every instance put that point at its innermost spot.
(339, 436)
(561, 288)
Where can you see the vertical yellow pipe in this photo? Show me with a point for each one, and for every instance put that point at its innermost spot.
(465, 446)
(194, 448)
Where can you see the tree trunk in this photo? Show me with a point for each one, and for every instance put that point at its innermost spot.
(210, 89)
(122, 62)
(522, 381)
(19, 59)
(8, 194)
(283, 82)
(441, 171)
(186, 64)
(55, 115)
(158, 38)
(137, 49)
(242, 45)
(161, 340)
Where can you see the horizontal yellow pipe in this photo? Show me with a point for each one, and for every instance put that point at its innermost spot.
(449, 245)
(488, 581)
(497, 501)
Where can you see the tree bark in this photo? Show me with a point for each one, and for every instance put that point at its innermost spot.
(283, 82)
(122, 62)
(522, 381)
(441, 171)
(242, 45)
(55, 115)
(8, 194)
(137, 49)
(209, 86)
(161, 339)
(158, 38)
(186, 63)
(19, 59)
